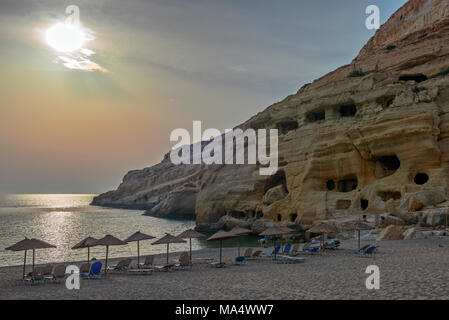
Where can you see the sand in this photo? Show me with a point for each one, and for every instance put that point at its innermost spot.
(409, 269)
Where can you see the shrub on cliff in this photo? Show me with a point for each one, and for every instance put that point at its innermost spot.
(356, 73)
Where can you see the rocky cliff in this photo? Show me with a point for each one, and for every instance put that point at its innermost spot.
(371, 136)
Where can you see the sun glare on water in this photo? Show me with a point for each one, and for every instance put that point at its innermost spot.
(65, 37)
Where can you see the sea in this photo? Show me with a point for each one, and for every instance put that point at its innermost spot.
(65, 219)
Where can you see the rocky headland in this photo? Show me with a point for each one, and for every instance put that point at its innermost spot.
(370, 138)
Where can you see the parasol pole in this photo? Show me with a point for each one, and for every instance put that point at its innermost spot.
(190, 250)
(24, 263)
(138, 255)
(106, 263)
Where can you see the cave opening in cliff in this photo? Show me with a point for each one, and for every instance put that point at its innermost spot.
(347, 185)
(293, 217)
(238, 214)
(348, 110)
(415, 77)
(315, 115)
(387, 165)
(259, 214)
(363, 204)
(286, 126)
(330, 185)
(279, 217)
(387, 195)
(275, 180)
(421, 178)
(386, 101)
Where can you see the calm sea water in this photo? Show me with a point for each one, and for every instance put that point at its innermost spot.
(64, 220)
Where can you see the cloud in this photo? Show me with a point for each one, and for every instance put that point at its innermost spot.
(80, 63)
(239, 68)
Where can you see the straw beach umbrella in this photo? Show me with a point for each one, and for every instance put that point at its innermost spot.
(323, 228)
(220, 236)
(275, 231)
(107, 241)
(358, 226)
(191, 234)
(137, 237)
(29, 244)
(167, 239)
(240, 232)
(86, 243)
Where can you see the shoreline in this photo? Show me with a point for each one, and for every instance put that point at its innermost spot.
(409, 269)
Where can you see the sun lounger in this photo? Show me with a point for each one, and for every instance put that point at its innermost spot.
(58, 273)
(165, 267)
(256, 255)
(217, 264)
(295, 250)
(365, 247)
(332, 244)
(148, 264)
(239, 260)
(368, 251)
(311, 250)
(287, 248)
(274, 252)
(47, 272)
(248, 253)
(121, 266)
(94, 272)
(85, 268)
(284, 259)
(184, 262)
(35, 277)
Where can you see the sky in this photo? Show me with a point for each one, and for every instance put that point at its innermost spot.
(149, 67)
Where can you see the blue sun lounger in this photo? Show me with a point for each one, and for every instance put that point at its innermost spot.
(95, 270)
(275, 251)
(312, 250)
(369, 251)
(287, 248)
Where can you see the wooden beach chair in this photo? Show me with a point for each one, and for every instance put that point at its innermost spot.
(149, 261)
(248, 253)
(121, 266)
(84, 268)
(294, 250)
(47, 272)
(59, 273)
(255, 255)
(184, 262)
(35, 277)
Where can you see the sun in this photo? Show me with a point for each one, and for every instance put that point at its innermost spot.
(65, 37)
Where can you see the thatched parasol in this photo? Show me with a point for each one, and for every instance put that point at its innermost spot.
(86, 243)
(191, 234)
(29, 244)
(358, 226)
(167, 239)
(240, 232)
(137, 237)
(107, 241)
(220, 236)
(275, 231)
(323, 228)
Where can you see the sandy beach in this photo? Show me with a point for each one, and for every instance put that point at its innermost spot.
(409, 269)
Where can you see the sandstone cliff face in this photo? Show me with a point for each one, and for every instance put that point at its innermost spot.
(371, 136)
